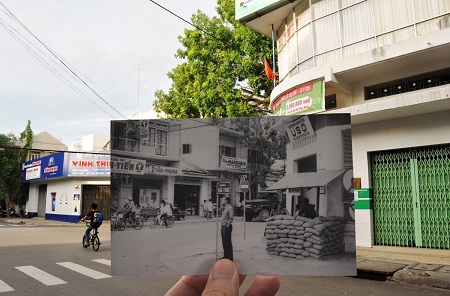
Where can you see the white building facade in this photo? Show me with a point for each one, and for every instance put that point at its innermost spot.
(386, 62)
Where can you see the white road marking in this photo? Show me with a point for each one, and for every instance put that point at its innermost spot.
(2, 225)
(84, 270)
(40, 275)
(103, 261)
(4, 287)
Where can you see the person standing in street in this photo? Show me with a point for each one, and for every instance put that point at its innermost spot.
(205, 210)
(227, 228)
(209, 208)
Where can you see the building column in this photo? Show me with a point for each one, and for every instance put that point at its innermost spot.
(364, 229)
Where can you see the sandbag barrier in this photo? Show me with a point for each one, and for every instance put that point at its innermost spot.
(302, 238)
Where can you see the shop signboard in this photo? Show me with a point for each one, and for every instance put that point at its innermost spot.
(162, 170)
(223, 187)
(307, 98)
(299, 129)
(89, 164)
(33, 173)
(46, 167)
(124, 165)
(247, 8)
(233, 163)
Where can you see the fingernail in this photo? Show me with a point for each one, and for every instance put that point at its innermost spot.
(223, 269)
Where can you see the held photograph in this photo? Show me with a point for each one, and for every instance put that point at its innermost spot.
(274, 194)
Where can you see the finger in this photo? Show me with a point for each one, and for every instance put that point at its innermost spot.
(223, 279)
(264, 285)
(189, 285)
(242, 278)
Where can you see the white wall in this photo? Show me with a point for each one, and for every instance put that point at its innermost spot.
(413, 131)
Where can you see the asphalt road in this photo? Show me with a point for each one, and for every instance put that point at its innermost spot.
(56, 251)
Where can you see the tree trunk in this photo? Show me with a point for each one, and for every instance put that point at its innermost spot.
(7, 204)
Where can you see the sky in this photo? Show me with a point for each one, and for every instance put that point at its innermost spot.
(122, 49)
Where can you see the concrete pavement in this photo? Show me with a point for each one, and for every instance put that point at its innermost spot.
(414, 266)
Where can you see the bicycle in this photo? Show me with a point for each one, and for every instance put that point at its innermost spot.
(94, 240)
(114, 218)
(157, 221)
(122, 223)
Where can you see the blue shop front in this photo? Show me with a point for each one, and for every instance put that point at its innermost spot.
(63, 185)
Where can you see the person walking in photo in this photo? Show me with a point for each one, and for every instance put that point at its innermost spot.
(227, 228)
(209, 209)
(204, 208)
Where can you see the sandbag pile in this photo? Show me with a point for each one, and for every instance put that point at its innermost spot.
(302, 237)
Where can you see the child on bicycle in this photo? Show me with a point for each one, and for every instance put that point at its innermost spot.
(92, 216)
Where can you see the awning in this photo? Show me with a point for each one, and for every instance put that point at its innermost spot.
(301, 180)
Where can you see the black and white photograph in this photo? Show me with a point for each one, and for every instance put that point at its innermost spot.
(273, 194)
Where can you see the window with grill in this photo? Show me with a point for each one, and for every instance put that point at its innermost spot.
(34, 155)
(227, 151)
(408, 84)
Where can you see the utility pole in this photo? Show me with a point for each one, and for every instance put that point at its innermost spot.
(139, 69)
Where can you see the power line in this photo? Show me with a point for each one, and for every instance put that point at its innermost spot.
(10, 30)
(60, 59)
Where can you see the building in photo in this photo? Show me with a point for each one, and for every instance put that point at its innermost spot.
(179, 161)
(318, 161)
(386, 63)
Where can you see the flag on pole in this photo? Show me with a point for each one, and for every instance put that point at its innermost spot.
(269, 73)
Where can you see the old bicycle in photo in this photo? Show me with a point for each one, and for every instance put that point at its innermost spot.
(94, 240)
(158, 221)
(127, 222)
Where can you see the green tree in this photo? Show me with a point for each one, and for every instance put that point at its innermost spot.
(223, 71)
(12, 154)
(265, 145)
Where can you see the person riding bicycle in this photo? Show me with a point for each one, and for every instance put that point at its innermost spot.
(130, 208)
(165, 211)
(92, 215)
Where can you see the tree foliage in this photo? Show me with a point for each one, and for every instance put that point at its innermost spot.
(265, 145)
(13, 154)
(220, 58)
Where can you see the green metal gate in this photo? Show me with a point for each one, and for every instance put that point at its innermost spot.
(411, 193)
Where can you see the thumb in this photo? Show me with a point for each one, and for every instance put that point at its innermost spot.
(223, 280)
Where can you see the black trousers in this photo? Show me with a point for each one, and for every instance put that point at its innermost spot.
(226, 242)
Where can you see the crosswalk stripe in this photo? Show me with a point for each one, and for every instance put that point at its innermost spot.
(103, 261)
(4, 287)
(84, 270)
(2, 225)
(40, 275)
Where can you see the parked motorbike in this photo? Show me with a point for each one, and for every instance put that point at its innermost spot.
(3, 213)
(21, 213)
(179, 214)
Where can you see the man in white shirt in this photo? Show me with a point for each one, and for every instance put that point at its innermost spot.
(209, 208)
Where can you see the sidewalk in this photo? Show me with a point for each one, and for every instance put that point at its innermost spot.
(414, 266)
(40, 221)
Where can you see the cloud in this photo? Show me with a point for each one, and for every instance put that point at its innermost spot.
(105, 40)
